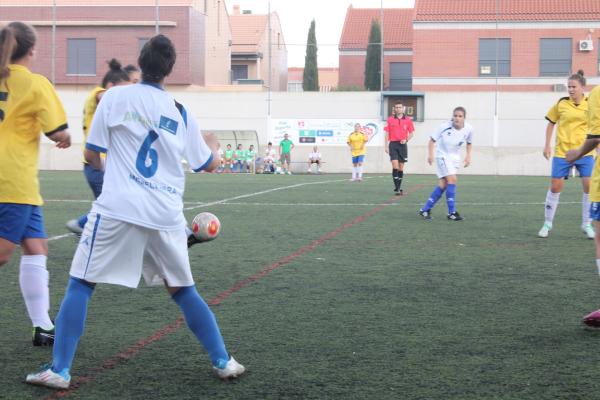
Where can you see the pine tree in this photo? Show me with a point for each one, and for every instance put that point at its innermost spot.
(373, 59)
(310, 79)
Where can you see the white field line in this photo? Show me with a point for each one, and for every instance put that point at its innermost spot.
(200, 205)
(230, 203)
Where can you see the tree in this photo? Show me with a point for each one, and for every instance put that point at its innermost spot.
(373, 59)
(310, 79)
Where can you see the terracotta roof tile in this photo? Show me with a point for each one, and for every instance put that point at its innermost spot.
(246, 32)
(508, 10)
(397, 24)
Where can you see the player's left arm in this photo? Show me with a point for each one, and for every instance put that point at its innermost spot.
(467, 160)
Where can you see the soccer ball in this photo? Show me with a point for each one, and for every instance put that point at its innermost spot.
(206, 226)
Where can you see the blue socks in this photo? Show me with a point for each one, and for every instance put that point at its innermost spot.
(433, 198)
(450, 195)
(70, 322)
(202, 323)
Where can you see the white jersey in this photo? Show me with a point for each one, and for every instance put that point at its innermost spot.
(270, 154)
(146, 135)
(314, 156)
(449, 140)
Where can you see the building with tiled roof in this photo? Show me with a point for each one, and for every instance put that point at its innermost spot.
(397, 42)
(87, 35)
(250, 49)
(519, 45)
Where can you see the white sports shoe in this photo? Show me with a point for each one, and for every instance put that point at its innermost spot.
(47, 377)
(543, 233)
(589, 231)
(74, 227)
(232, 370)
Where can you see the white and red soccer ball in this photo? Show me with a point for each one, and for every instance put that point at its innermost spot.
(206, 226)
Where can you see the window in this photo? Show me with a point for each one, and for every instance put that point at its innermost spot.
(239, 72)
(401, 76)
(81, 56)
(488, 48)
(555, 57)
(141, 43)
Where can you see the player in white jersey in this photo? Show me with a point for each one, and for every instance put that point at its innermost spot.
(447, 141)
(137, 227)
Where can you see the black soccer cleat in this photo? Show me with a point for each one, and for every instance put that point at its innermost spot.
(191, 240)
(455, 216)
(42, 337)
(425, 214)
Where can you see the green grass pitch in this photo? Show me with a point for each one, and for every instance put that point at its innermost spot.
(358, 298)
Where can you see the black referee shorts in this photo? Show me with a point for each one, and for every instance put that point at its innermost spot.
(399, 151)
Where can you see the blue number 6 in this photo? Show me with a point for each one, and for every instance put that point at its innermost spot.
(146, 151)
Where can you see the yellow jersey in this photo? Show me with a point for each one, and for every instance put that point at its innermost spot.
(89, 109)
(357, 142)
(572, 124)
(594, 129)
(29, 106)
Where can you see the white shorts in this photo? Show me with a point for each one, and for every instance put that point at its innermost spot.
(446, 166)
(117, 252)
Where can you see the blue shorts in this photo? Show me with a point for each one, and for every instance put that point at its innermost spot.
(358, 159)
(595, 211)
(21, 221)
(561, 168)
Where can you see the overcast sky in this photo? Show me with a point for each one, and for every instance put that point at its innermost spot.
(329, 17)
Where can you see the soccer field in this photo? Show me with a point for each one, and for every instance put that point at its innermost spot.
(326, 288)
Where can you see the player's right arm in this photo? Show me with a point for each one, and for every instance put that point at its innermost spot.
(430, 147)
(94, 159)
(590, 144)
(548, 144)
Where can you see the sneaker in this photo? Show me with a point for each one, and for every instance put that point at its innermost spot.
(289, 172)
(543, 233)
(74, 227)
(46, 377)
(589, 231)
(42, 337)
(455, 216)
(592, 319)
(399, 192)
(425, 214)
(231, 370)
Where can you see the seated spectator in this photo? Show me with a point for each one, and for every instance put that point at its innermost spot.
(238, 159)
(228, 160)
(221, 166)
(269, 159)
(249, 160)
(314, 157)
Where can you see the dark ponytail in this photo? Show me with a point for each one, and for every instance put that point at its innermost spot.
(116, 74)
(157, 59)
(578, 77)
(16, 39)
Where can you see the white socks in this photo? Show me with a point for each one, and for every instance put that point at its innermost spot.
(585, 209)
(33, 279)
(359, 171)
(551, 206)
(598, 265)
(354, 172)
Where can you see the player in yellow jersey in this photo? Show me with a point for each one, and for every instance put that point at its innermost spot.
(592, 141)
(115, 76)
(570, 114)
(29, 106)
(357, 142)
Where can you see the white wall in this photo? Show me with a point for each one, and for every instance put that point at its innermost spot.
(521, 125)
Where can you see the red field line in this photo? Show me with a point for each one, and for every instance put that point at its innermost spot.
(119, 358)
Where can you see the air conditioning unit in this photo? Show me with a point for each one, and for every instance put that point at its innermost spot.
(559, 87)
(586, 45)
